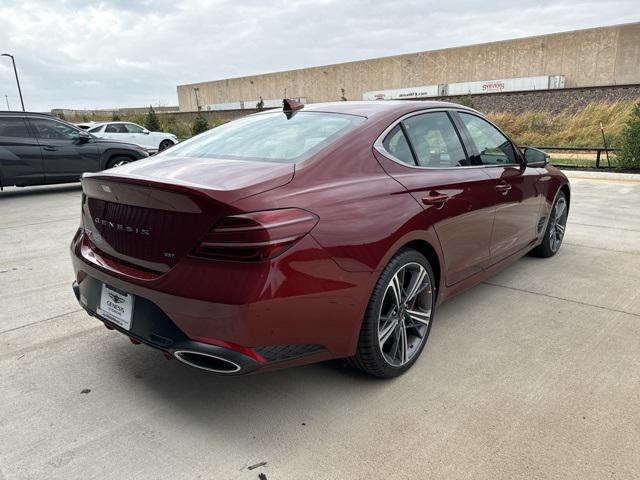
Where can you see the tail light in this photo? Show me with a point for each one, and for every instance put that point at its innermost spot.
(256, 236)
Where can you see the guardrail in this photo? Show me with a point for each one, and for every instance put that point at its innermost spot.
(598, 150)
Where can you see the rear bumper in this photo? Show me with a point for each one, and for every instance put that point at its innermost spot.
(153, 328)
(300, 308)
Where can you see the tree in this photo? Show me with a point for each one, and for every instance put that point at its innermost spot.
(200, 124)
(260, 105)
(61, 116)
(115, 117)
(629, 156)
(151, 122)
(343, 98)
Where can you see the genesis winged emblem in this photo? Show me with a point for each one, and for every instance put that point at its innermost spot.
(116, 298)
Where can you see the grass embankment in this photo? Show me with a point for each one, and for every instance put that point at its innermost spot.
(581, 129)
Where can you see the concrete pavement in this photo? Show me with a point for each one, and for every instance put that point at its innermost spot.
(533, 374)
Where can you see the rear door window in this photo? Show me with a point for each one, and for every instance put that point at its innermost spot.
(435, 140)
(116, 128)
(13, 127)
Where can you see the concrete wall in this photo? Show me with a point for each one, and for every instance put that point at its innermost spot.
(592, 57)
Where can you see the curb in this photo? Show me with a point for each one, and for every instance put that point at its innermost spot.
(612, 176)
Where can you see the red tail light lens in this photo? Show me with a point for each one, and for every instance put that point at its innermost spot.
(256, 236)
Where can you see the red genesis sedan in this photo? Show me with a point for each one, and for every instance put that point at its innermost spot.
(310, 233)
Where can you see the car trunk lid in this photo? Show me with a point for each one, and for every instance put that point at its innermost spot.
(151, 217)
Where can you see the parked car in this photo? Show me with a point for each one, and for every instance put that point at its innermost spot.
(134, 133)
(38, 149)
(85, 125)
(333, 230)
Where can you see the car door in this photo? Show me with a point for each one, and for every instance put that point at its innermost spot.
(65, 153)
(138, 136)
(517, 191)
(429, 159)
(20, 156)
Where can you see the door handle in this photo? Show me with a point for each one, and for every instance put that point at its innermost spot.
(435, 199)
(50, 148)
(503, 188)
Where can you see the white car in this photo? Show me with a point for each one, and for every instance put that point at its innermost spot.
(133, 133)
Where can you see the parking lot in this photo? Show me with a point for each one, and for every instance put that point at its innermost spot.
(533, 374)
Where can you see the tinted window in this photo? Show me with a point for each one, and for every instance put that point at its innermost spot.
(396, 144)
(13, 127)
(434, 140)
(116, 128)
(52, 130)
(270, 137)
(132, 128)
(493, 146)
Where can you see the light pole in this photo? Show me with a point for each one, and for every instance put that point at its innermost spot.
(196, 90)
(6, 97)
(15, 70)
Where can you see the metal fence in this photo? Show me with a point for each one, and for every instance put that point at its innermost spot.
(599, 151)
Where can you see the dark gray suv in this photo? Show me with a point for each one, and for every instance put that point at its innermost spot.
(38, 149)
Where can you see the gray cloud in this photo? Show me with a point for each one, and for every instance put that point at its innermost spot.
(83, 54)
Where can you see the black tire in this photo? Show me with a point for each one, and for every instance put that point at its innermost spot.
(118, 161)
(550, 246)
(369, 356)
(164, 145)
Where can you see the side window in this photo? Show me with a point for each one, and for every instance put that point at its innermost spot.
(96, 129)
(435, 141)
(13, 127)
(52, 129)
(116, 128)
(133, 128)
(396, 144)
(494, 147)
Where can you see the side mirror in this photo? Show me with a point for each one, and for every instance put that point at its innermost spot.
(145, 131)
(534, 157)
(83, 136)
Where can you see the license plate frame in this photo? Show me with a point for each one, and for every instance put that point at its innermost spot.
(116, 306)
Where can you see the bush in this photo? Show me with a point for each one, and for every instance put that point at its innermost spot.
(115, 117)
(629, 156)
(199, 125)
(467, 101)
(151, 122)
(260, 105)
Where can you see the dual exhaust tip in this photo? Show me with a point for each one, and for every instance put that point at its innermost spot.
(207, 361)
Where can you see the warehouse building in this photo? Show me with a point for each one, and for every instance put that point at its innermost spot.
(596, 57)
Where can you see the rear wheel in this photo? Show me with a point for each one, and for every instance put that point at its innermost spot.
(118, 161)
(398, 318)
(556, 226)
(164, 145)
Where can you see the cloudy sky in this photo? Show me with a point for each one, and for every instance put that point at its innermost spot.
(119, 53)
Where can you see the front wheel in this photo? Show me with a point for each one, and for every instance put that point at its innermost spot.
(556, 226)
(118, 161)
(398, 318)
(164, 145)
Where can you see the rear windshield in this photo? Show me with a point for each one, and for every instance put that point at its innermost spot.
(270, 137)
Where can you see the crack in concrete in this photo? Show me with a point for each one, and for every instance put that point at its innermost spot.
(578, 302)
(604, 226)
(41, 321)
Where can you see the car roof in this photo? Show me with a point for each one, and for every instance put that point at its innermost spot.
(18, 113)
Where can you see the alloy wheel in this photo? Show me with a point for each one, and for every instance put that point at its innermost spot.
(558, 224)
(405, 313)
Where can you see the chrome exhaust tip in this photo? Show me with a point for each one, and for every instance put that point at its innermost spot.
(207, 361)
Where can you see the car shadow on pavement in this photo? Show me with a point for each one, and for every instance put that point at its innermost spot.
(241, 405)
